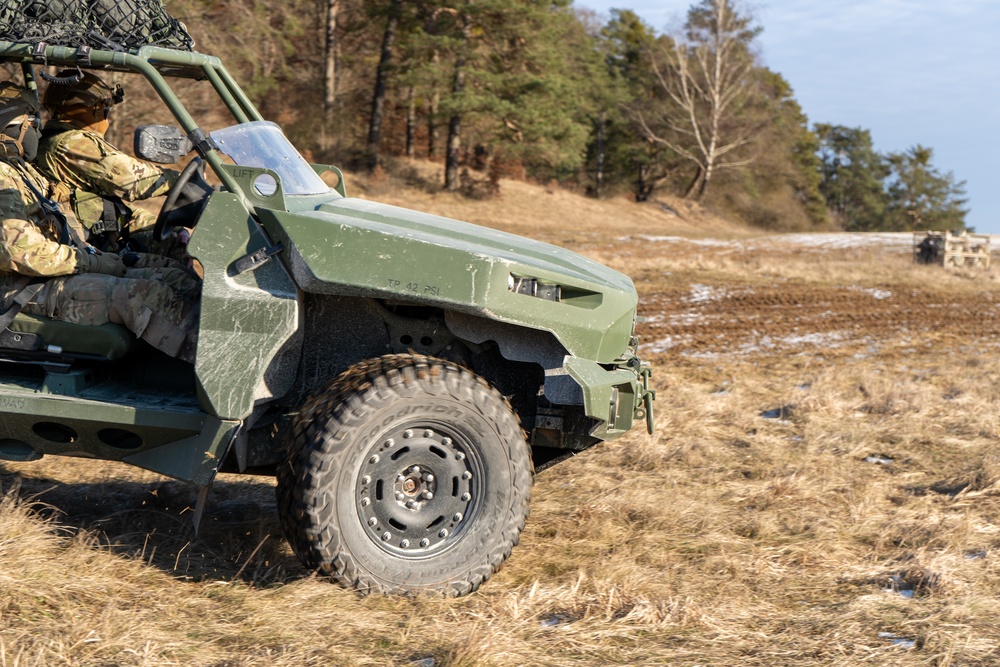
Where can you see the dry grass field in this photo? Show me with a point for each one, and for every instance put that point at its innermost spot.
(823, 488)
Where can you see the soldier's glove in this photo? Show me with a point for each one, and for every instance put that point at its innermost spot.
(129, 258)
(106, 263)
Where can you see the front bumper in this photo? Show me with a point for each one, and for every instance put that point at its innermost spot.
(616, 396)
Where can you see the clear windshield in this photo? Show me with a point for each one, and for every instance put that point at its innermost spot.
(262, 144)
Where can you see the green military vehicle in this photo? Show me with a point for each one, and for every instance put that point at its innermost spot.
(404, 375)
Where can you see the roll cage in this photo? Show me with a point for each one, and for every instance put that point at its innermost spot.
(155, 64)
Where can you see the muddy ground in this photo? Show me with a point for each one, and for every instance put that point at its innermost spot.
(707, 311)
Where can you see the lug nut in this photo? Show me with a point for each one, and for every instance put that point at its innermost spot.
(428, 433)
(457, 517)
(428, 495)
(446, 441)
(399, 495)
(407, 433)
(424, 542)
(466, 497)
(428, 477)
(365, 502)
(400, 477)
(443, 533)
(389, 443)
(374, 459)
(366, 479)
(415, 470)
(404, 544)
(466, 475)
(411, 504)
(460, 456)
(373, 522)
(386, 536)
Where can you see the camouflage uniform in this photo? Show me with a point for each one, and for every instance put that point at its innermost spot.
(158, 305)
(92, 174)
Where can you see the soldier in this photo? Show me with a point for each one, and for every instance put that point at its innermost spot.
(99, 178)
(52, 274)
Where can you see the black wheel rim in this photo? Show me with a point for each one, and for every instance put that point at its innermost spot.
(419, 489)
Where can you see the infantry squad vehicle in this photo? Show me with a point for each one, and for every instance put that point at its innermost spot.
(404, 375)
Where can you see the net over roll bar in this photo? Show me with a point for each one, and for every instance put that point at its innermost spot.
(112, 25)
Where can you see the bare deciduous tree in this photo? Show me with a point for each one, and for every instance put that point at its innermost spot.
(706, 76)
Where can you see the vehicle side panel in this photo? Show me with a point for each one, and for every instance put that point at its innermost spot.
(248, 341)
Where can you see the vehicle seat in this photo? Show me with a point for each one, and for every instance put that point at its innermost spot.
(108, 341)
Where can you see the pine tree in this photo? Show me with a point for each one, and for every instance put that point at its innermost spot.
(920, 197)
(516, 87)
(853, 174)
(631, 92)
(781, 191)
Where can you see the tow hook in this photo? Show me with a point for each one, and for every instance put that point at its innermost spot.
(648, 396)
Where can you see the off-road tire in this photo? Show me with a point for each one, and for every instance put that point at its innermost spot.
(408, 474)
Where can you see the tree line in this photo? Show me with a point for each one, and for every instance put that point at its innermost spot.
(544, 90)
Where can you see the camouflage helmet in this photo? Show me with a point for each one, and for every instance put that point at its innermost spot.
(73, 89)
(15, 103)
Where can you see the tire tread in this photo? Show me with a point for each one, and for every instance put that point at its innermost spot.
(323, 430)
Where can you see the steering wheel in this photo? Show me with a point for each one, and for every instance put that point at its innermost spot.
(168, 217)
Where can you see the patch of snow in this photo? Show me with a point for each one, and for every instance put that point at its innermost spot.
(722, 243)
(686, 319)
(704, 293)
(553, 620)
(661, 345)
(846, 239)
(828, 339)
(818, 240)
(896, 640)
(875, 292)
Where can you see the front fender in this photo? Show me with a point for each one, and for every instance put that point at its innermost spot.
(377, 251)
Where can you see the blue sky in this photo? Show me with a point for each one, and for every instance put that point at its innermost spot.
(911, 71)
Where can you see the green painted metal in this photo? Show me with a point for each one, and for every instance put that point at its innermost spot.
(246, 319)
(194, 459)
(76, 425)
(598, 386)
(226, 94)
(251, 325)
(352, 246)
(340, 187)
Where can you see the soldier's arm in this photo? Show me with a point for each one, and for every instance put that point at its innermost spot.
(124, 176)
(25, 250)
(110, 172)
(23, 247)
(11, 201)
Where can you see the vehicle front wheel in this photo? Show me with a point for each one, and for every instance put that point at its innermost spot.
(408, 474)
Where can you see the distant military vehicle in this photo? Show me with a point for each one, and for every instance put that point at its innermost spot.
(403, 374)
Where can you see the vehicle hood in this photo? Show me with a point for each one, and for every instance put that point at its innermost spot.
(360, 247)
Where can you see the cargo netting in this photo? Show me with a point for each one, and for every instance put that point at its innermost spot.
(116, 25)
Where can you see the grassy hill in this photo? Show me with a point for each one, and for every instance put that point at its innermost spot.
(538, 211)
(823, 487)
